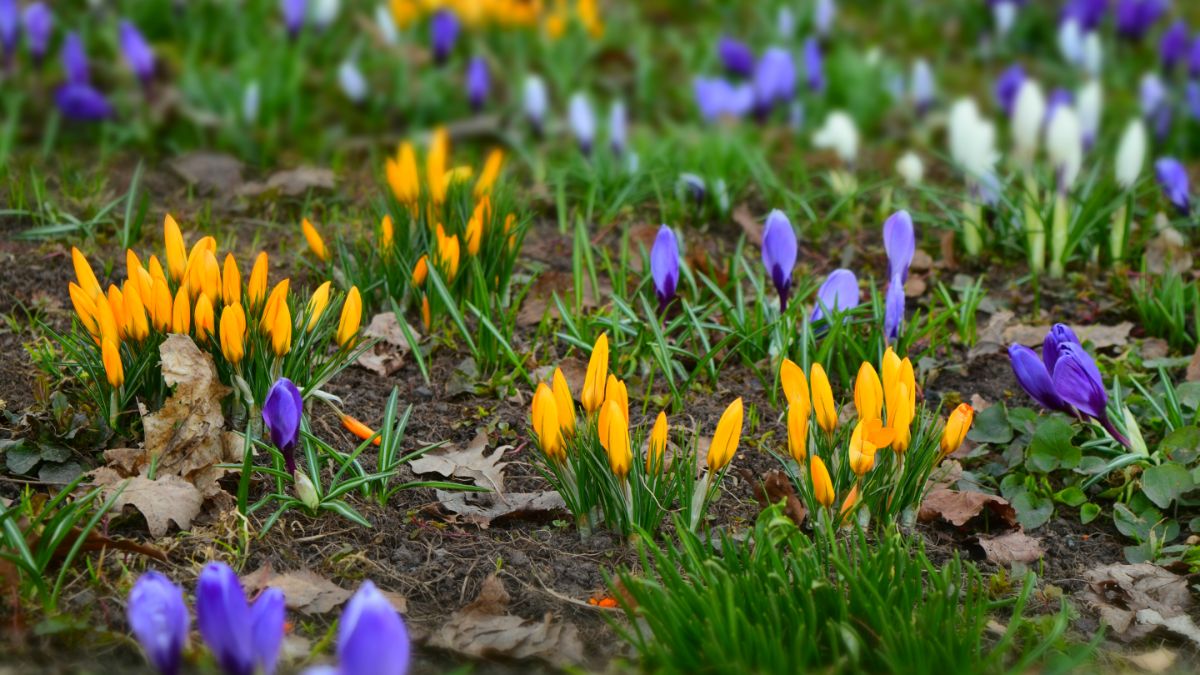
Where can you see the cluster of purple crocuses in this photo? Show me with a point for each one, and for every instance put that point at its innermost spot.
(759, 85)
(1065, 378)
(245, 638)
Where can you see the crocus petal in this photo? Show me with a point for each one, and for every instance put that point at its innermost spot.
(478, 82)
(779, 249)
(443, 33)
(74, 59)
(1031, 373)
(774, 80)
(372, 639)
(159, 619)
(1077, 380)
(267, 617)
(224, 619)
(294, 13)
(893, 315)
(583, 121)
(735, 56)
(839, 293)
(137, 52)
(38, 21)
(1174, 181)
(1060, 334)
(1174, 45)
(618, 128)
(82, 102)
(281, 413)
(900, 243)
(1007, 86)
(664, 265)
(814, 68)
(535, 100)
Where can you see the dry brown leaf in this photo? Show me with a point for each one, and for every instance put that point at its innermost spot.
(483, 629)
(304, 590)
(915, 287)
(641, 235)
(471, 462)
(1181, 624)
(1167, 252)
(211, 173)
(484, 508)
(164, 500)
(1101, 336)
(921, 261)
(1119, 593)
(1154, 348)
(573, 369)
(776, 487)
(1154, 661)
(386, 356)
(749, 224)
(291, 183)
(946, 246)
(968, 510)
(540, 299)
(1011, 547)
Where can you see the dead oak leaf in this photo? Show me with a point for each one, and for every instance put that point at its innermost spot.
(539, 301)
(161, 501)
(968, 510)
(485, 508)
(1101, 336)
(471, 462)
(1011, 547)
(1119, 593)
(386, 356)
(303, 590)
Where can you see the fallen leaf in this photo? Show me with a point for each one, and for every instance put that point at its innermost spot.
(1011, 547)
(1154, 348)
(1167, 251)
(1119, 593)
(211, 173)
(749, 224)
(1155, 660)
(946, 246)
(776, 487)
(921, 261)
(386, 356)
(164, 500)
(484, 629)
(1101, 336)
(979, 403)
(471, 462)
(991, 337)
(291, 183)
(915, 287)
(641, 235)
(304, 590)
(484, 508)
(539, 301)
(962, 508)
(574, 370)
(1181, 624)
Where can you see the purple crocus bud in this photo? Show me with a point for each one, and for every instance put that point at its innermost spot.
(1077, 380)
(1174, 46)
(74, 59)
(1035, 379)
(478, 82)
(664, 266)
(824, 12)
(1007, 86)
(282, 412)
(39, 24)
(443, 33)
(372, 639)
(1191, 94)
(82, 102)
(138, 55)
(159, 619)
(893, 311)
(779, 249)
(718, 98)
(900, 242)
(774, 80)
(294, 13)
(10, 26)
(691, 186)
(618, 128)
(583, 122)
(924, 89)
(1134, 18)
(814, 68)
(1060, 334)
(1194, 59)
(1174, 181)
(736, 56)
(839, 293)
(243, 639)
(1088, 13)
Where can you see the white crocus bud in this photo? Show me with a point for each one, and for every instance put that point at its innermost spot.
(1070, 41)
(1064, 145)
(911, 169)
(305, 490)
(1131, 153)
(1091, 104)
(352, 82)
(1005, 15)
(386, 24)
(972, 140)
(324, 12)
(1092, 54)
(1029, 112)
(839, 134)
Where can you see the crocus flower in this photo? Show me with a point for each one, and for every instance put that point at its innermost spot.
(814, 68)
(893, 311)
(1007, 86)
(251, 98)
(1092, 58)
(1058, 97)
(74, 59)
(535, 102)
(911, 168)
(1070, 41)
(779, 250)
(582, 121)
(372, 639)
(839, 293)
(899, 241)
(1174, 181)
(1004, 13)
(664, 266)
(478, 82)
(1029, 115)
(138, 55)
(324, 12)
(1131, 154)
(691, 186)
(1077, 380)
(785, 22)
(774, 80)
(1174, 45)
(1152, 94)
(1035, 379)
(351, 81)
(1064, 145)
(618, 128)
(1191, 94)
(82, 102)
(840, 134)
(294, 13)
(1134, 18)
(281, 413)
(718, 98)
(10, 26)
(386, 24)
(39, 24)
(923, 87)
(824, 12)
(1091, 103)
(159, 619)
(443, 33)
(1089, 13)
(244, 639)
(735, 56)
(972, 142)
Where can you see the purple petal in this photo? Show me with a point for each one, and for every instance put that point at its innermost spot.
(10, 25)
(814, 69)
(839, 293)
(1077, 380)
(1173, 178)
(1059, 334)
(1174, 45)
(1007, 86)
(138, 55)
(82, 102)
(267, 617)
(1034, 378)
(664, 265)
(74, 59)
(478, 82)
(281, 413)
(294, 13)
(39, 24)
(779, 250)
(774, 79)
(159, 619)
(372, 639)
(224, 619)
(893, 315)
(735, 56)
(900, 243)
(443, 33)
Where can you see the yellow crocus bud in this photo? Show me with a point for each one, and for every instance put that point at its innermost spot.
(116, 302)
(868, 393)
(474, 232)
(563, 401)
(797, 426)
(889, 373)
(614, 390)
(84, 274)
(138, 275)
(137, 326)
(281, 330)
(85, 309)
(900, 420)
(231, 281)
(155, 269)
(160, 305)
(435, 164)
(822, 395)
(850, 502)
(133, 265)
(725, 438)
(277, 298)
(957, 426)
(597, 375)
(315, 243)
(426, 315)
(317, 304)
(420, 271)
(908, 379)
(795, 386)
(491, 170)
(205, 319)
(198, 271)
(862, 454)
(821, 482)
(402, 175)
(106, 321)
(256, 288)
(545, 422)
(110, 354)
(616, 431)
(181, 312)
(448, 253)
(351, 318)
(658, 443)
(387, 235)
(404, 12)
(233, 333)
(177, 255)
(459, 174)
(210, 276)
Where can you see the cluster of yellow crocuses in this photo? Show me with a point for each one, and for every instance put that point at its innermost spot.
(606, 398)
(553, 14)
(885, 409)
(195, 295)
